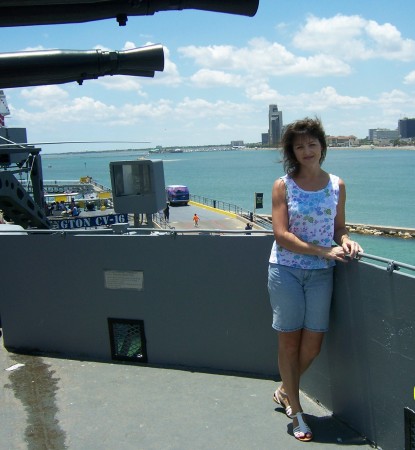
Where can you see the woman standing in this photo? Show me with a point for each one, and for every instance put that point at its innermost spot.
(308, 213)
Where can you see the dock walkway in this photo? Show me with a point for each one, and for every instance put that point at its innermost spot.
(181, 217)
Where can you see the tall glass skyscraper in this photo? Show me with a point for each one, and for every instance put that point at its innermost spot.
(275, 125)
(406, 128)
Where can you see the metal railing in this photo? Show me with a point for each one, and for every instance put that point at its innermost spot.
(61, 186)
(261, 220)
(100, 186)
(158, 218)
(391, 265)
(219, 204)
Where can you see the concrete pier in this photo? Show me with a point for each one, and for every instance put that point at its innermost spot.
(381, 230)
(376, 230)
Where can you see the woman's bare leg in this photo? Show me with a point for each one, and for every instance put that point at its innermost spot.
(296, 352)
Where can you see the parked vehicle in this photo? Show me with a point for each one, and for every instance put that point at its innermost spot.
(177, 194)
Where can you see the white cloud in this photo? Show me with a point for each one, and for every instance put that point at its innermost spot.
(129, 45)
(353, 37)
(410, 78)
(84, 110)
(339, 35)
(263, 58)
(208, 78)
(44, 97)
(122, 83)
(90, 112)
(135, 113)
(397, 98)
(36, 48)
(223, 127)
(201, 108)
(326, 98)
(388, 42)
(316, 66)
(103, 48)
(331, 97)
(274, 60)
(262, 92)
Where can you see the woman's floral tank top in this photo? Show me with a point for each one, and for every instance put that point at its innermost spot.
(311, 218)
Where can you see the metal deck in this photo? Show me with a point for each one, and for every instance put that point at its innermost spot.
(51, 403)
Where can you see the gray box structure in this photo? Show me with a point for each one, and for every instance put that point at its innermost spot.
(138, 186)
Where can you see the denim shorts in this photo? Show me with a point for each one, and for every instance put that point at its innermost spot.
(300, 298)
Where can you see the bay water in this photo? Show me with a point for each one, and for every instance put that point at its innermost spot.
(379, 183)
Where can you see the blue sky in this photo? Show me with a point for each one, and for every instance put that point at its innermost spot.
(351, 63)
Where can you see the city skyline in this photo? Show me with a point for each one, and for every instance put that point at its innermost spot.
(352, 65)
(404, 130)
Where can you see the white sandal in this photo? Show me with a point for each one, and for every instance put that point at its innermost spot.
(278, 397)
(302, 432)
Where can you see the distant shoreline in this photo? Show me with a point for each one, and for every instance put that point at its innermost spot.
(221, 148)
(359, 147)
(369, 147)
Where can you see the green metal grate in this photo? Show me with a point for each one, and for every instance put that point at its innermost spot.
(409, 429)
(127, 339)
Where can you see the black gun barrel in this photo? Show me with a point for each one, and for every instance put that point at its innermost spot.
(35, 68)
(41, 12)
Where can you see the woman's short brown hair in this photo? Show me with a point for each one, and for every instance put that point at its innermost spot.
(303, 127)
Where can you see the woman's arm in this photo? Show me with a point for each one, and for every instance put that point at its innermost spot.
(341, 235)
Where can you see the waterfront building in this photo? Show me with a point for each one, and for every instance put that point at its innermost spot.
(406, 128)
(264, 138)
(275, 125)
(377, 135)
(342, 141)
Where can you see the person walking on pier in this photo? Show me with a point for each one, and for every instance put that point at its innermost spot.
(308, 214)
(196, 220)
(166, 212)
